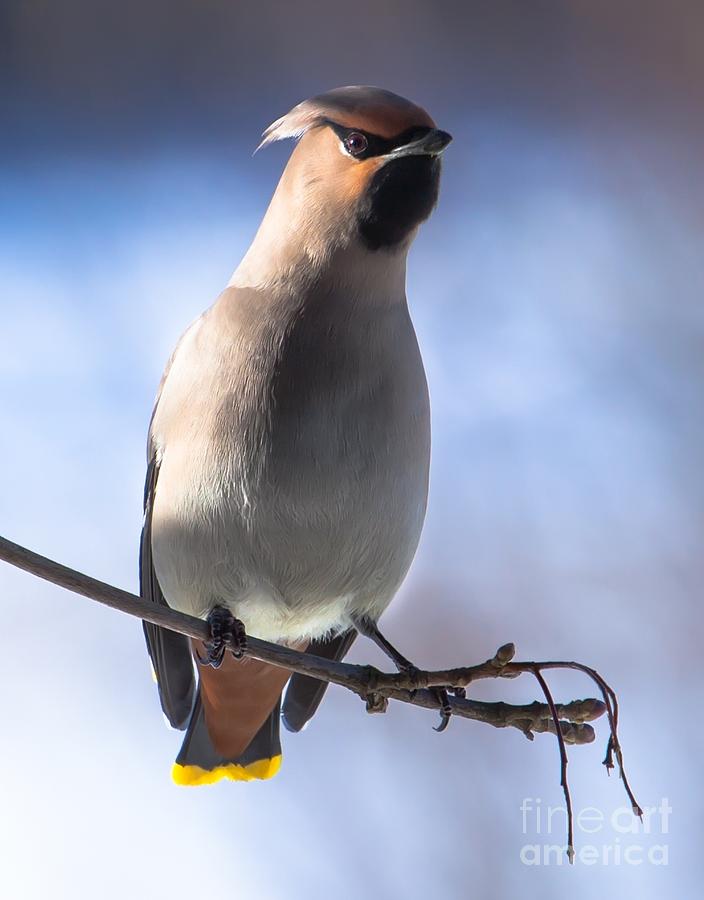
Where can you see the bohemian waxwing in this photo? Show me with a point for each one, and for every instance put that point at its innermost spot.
(290, 441)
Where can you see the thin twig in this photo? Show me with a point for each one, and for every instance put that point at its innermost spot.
(563, 761)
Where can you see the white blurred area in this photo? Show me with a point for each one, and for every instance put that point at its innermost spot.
(557, 294)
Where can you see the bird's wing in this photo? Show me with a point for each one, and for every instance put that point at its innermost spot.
(304, 693)
(169, 651)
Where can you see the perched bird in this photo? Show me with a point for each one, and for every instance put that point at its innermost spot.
(290, 441)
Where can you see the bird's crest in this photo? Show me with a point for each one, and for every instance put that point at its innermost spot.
(357, 106)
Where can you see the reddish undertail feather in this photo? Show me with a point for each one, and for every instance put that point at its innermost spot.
(233, 731)
(237, 699)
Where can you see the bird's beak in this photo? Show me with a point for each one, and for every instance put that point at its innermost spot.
(431, 144)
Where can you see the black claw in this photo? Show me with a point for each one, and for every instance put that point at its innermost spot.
(226, 633)
(445, 709)
(444, 722)
(214, 656)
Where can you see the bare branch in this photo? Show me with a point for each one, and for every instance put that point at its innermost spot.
(362, 680)
(569, 722)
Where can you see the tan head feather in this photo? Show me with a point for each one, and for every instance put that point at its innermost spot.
(370, 109)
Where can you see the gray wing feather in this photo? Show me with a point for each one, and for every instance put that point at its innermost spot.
(303, 694)
(170, 652)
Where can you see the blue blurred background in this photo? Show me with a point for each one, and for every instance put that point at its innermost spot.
(557, 294)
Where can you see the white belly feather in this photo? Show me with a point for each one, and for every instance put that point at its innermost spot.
(295, 497)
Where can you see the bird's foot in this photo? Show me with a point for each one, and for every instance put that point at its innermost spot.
(226, 633)
(368, 627)
(439, 693)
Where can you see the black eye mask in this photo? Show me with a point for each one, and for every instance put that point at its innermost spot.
(376, 145)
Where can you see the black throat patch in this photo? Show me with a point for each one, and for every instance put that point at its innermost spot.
(401, 195)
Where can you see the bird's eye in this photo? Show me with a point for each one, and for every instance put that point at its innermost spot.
(355, 143)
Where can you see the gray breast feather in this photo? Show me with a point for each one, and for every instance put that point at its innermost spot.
(294, 448)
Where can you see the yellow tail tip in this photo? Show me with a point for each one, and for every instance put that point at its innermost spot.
(193, 776)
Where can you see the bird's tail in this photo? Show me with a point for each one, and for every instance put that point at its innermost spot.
(234, 728)
(198, 762)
